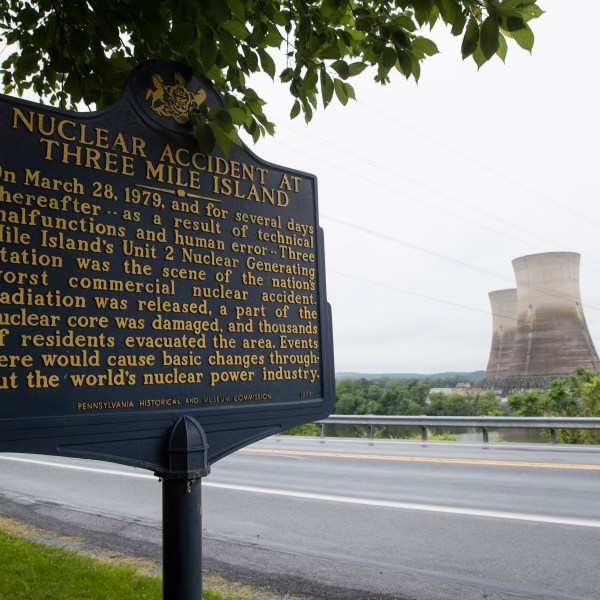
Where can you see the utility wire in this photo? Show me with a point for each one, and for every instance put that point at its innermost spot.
(482, 165)
(410, 292)
(444, 257)
(416, 182)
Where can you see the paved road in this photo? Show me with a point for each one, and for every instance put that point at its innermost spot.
(345, 519)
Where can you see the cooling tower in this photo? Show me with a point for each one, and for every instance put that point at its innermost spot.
(552, 337)
(504, 315)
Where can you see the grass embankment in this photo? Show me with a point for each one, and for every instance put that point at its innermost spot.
(46, 570)
(34, 571)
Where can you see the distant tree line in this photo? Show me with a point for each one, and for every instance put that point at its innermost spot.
(389, 396)
(576, 395)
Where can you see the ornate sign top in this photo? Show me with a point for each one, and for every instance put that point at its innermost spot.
(174, 101)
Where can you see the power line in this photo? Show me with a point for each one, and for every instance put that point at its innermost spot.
(400, 242)
(436, 207)
(482, 165)
(438, 255)
(410, 292)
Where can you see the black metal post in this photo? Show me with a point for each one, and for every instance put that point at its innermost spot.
(182, 539)
(186, 462)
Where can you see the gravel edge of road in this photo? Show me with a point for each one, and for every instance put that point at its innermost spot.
(139, 545)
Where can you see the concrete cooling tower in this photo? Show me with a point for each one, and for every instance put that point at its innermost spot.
(540, 331)
(552, 337)
(504, 314)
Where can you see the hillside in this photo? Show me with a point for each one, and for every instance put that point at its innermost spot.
(468, 376)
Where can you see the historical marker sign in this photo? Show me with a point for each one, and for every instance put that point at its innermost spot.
(143, 281)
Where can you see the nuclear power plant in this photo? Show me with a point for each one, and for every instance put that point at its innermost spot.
(539, 329)
(504, 314)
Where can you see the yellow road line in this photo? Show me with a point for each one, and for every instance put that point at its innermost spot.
(422, 459)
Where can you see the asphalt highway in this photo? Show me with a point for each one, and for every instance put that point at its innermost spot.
(349, 519)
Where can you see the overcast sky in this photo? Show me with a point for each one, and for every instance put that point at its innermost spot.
(427, 192)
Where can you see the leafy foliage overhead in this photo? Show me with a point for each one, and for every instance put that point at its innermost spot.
(73, 50)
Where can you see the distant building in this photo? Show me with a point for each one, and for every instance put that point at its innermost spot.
(461, 388)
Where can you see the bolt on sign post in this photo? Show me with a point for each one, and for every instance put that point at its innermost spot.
(159, 307)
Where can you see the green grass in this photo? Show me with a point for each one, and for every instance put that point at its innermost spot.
(437, 437)
(35, 571)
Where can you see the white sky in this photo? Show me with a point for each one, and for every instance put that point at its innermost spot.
(453, 178)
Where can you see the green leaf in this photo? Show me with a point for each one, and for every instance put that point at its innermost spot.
(388, 58)
(356, 68)
(237, 9)
(509, 5)
(423, 10)
(404, 22)
(79, 42)
(362, 24)
(514, 23)
(73, 88)
(295, 110)
(401, 39)
(184, 34)
(27, 63)
(470, 39)
(531, 11)
(479, 57)
(238, 115)
(273, 37)
(208, 51)
(205, 136)
(489, 38)
(449, 9)
(502, 48)
(340, 92)
(28, 17)
(108, 34)
(222, 118)
(459, 24)
(236, 28)
(267, 63)
(219, 10)
(286, 75)
(528, 10)
(222, 139)
(258, 34)
(251, 59)
(416, 67)
(228, 47)
(310, 79)
(332, 51)
(61, 64)
(327, 88)
(425, 46)
(349, 90)
(524, 37)
(405, 63)
(341, 68)
(308, 113)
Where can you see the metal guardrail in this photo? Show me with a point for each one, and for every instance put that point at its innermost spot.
(551, 424)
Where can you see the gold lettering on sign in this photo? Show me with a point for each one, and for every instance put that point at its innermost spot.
(132, 261)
